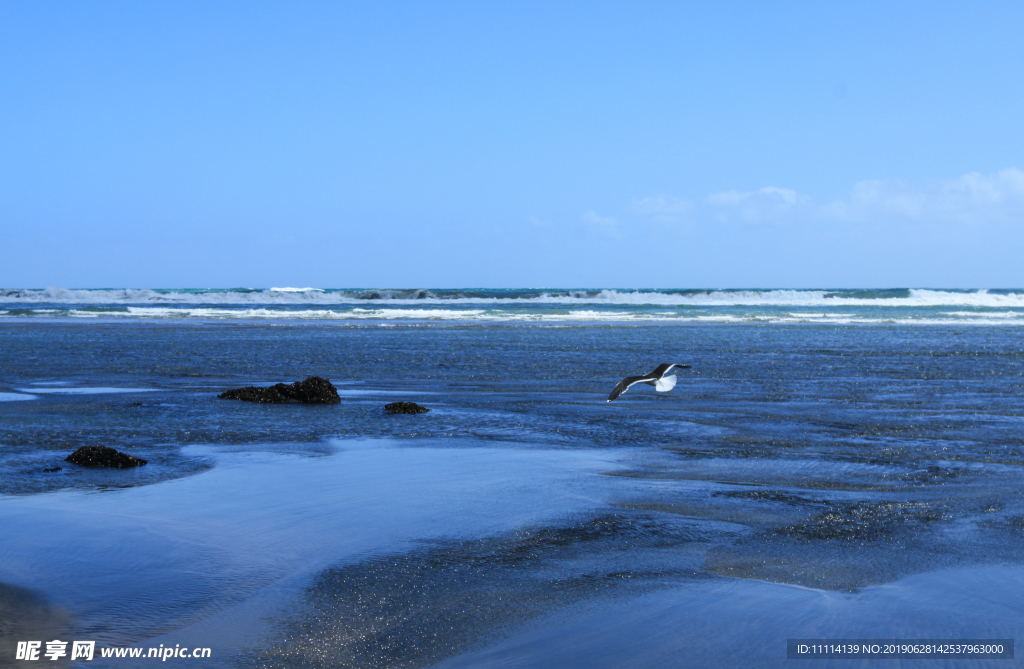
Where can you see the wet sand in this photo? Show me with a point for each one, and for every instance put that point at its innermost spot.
(399, 554)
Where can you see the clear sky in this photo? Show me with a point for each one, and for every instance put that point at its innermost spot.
(511, 144)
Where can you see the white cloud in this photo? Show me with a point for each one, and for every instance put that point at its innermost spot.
(972, 199)
(768, 203)
(606, 225)
(664, 208)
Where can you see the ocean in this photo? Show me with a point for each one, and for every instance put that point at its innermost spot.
(835, 464)
(983, 307)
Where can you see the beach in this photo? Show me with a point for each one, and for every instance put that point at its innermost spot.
(833, 465)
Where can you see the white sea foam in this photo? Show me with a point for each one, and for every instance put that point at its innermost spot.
(16, 397)
(606, 297)
(86, 391)
(913, 306)
(985, 314)
(752, 315)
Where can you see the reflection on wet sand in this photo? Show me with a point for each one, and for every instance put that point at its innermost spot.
(25, 615)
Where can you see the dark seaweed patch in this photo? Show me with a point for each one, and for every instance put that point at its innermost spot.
(769, 495)
(1014, 524)
(865, 521)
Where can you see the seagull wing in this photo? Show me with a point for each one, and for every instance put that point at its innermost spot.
(660, 371)
(625, 383)
(663, 369)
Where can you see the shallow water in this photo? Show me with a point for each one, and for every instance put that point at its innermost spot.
(743, 623)
(830, 459)
(139, 561)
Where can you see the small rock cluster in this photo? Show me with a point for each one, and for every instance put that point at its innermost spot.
(405, 407)
(314, 390)
(103, 456)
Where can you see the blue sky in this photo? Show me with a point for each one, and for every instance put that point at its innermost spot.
(518, 144)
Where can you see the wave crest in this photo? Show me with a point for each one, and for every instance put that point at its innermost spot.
(914, 297)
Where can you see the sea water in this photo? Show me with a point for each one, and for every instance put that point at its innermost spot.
(636, 305)
(834, 464)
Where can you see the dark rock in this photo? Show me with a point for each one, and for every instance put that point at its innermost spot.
(313, 390)
(103, 456)
(54, 469)
(405, 407)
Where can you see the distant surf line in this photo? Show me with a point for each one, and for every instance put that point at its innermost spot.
(526, 316)
(604, 297)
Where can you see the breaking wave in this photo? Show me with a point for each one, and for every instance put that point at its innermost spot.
(913, 297)
(897, 306)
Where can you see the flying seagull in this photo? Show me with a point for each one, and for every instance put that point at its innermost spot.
(657, 378)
